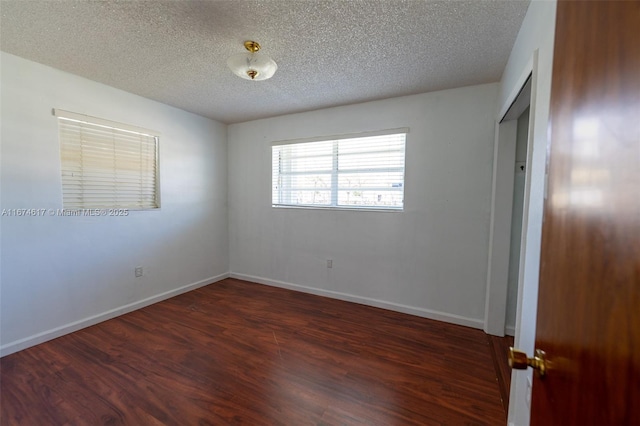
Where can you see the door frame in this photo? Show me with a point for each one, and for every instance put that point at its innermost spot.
(502, 202)
(538, 67)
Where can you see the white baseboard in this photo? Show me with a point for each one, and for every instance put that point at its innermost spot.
(412, 310)
(44, 336)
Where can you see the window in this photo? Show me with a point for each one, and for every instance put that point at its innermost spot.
(360, 171)
(107, 164)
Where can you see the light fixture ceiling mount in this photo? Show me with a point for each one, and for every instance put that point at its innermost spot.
(252, 65)
(252, 46)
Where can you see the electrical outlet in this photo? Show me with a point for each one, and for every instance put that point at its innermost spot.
(138, 271)
(329, 263)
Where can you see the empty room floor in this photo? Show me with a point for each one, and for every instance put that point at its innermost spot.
(236, 352)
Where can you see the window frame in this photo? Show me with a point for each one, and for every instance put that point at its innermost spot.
(336, 173)
(121, 127)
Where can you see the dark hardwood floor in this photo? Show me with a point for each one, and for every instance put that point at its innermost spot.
(499, 347)
(236, 353)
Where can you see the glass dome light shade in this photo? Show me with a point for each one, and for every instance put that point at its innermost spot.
(252, 66)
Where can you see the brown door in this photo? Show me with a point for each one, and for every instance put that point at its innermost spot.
(589, 298)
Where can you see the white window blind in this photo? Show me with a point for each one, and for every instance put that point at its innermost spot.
(363, 171)
(107, 164)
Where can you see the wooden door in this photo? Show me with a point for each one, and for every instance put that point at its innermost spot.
(589, 298)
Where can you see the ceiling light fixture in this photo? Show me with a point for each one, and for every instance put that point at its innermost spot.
(252, 65)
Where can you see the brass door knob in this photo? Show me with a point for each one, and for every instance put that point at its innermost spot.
(518, 360)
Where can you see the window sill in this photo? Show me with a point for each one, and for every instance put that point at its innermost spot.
(340, 209)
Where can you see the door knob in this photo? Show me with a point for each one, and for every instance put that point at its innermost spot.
(518, 360)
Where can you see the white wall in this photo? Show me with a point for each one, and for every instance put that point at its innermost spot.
(536, 34)
(59, 274)
(429, 260)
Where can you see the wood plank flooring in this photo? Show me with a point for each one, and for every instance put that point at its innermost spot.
(499, 347)
(239, 353)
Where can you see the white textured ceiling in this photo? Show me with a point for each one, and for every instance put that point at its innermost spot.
(329, 52)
